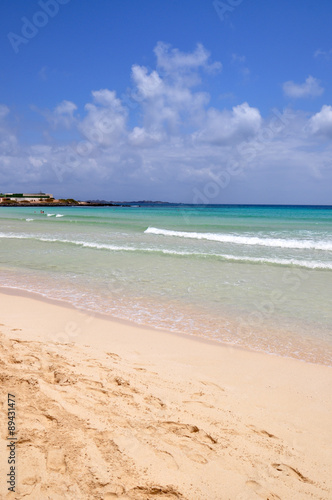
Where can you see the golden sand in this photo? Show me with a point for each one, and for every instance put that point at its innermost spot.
(109, 410)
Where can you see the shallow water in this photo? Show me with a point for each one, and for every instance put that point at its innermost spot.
(259, 277)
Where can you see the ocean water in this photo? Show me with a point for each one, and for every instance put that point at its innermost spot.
(257, 277)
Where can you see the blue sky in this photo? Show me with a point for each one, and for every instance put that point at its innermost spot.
(192, 101)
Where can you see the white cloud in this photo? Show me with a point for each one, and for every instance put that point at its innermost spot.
(106, 97)
(174, 143)
(230, 127)
(310, 88)
(42, 73)
(105, 120)
(36, 162)
(148, 85)
(8, 140)
(65, 108)
(238, 59)
(166, 94)
(325, 54)
(4, 111)
(239, 62)
(63, 114)
(143, 138)
(173, 61)
(321, 123)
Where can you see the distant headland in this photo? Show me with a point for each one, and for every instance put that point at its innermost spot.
(47, 199)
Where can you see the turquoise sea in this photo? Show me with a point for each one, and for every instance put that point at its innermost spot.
(253, 276)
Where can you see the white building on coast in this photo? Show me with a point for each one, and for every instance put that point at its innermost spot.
(30, 197)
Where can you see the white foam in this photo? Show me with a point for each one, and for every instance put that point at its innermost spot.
(245, 240)
(283, 262)
(29, 220)
(50, 215)
(59, 215)
(117, 248)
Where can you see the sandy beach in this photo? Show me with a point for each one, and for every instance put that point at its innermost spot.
(107, 409)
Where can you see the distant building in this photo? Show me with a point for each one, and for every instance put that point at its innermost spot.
(31, 197)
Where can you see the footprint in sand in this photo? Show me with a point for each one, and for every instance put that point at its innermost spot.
(63, 379)
(56, 460)
(156, 402)
(193, 401)
(260, 491)
(262, 432)
(194, 456)
(141, 492)
(212, 384)
(114, 490)
(113, 355)
(167, 458)
(195, 443)
(287, 470)
(188, 430)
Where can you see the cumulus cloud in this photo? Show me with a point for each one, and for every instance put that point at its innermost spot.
(65, 108)
(105, 120)
(166, 94)
(148, 85)
(321, 123)
(145, 138)
(230, 127)
(310, 88)
(64, 114)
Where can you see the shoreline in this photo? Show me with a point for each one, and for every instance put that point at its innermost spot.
(119, 410)
(17, 292)
(131, 323)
